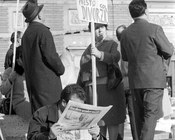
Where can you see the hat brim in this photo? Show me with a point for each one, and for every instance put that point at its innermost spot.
(39, 10)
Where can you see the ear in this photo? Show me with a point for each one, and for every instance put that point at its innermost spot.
(146, 12)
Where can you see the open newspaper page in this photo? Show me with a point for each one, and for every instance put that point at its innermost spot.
(81, 116)
(74, 135)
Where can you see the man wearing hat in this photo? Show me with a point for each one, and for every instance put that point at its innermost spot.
(42, 63)
(106, 54)
(145, 46)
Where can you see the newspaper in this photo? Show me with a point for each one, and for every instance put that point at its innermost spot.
(78, 116)
(74, 135)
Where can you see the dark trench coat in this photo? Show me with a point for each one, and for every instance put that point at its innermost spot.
(42, 65)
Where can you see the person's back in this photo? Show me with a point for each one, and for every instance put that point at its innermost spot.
(145, 46)
(144, 54)
(42, 64)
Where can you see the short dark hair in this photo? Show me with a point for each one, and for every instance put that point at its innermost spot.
(12, 38)
(73, 89)
(118, 34)
(137, 8)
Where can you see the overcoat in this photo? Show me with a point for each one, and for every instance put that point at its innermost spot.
(145, 46)
(42, 66)
(105, 96)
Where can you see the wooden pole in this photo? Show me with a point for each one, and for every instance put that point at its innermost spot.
(94, 83)
(14, 53)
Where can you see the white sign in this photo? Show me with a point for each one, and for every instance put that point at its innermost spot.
(93, 10)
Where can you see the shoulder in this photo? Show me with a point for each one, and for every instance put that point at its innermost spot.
(155, 26)
(38, 27)
(41, 112)
(8, 70)
(109, 40)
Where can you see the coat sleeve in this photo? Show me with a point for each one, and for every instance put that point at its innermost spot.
(85, 65)
(38, 129)
(6, 86)
(113, 55)
(123, 52)
(165, 48)
(49, 54)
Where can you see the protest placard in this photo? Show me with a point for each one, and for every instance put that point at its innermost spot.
(93, 10)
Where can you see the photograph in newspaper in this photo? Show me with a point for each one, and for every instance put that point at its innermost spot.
(74, 135)
(81, 116)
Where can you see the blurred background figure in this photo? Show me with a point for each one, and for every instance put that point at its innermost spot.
(8, 62)
(129, 100)
(16, 80)
(71, 71)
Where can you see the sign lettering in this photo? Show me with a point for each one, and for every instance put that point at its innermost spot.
(93, 10)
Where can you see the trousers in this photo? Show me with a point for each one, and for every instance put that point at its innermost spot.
(147, 110)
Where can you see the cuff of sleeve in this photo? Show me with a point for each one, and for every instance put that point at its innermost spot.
(51, 137)
(102, 56)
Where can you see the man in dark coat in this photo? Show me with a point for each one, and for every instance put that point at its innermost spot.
(44, 126)
(144, 45)
(42, 64)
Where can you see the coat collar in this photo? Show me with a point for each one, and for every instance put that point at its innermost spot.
(37, 23)
(140, 20)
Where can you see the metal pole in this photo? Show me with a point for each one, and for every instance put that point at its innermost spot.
(14, 53)
(94, 85)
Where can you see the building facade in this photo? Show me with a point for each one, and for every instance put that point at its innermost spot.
(69, 32)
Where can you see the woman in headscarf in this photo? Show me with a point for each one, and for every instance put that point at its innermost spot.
(106, 54)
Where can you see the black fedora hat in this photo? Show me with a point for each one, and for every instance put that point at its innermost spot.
(31, 10)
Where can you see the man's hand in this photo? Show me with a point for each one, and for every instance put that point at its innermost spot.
(55, 130)
(94, 131)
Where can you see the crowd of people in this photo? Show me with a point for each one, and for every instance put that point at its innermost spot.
(135, 85)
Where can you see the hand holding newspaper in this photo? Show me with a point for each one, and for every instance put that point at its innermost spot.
(78, 116)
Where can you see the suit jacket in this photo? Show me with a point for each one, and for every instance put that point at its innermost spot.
(42, 66)
(42, 120)
(144, 45)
